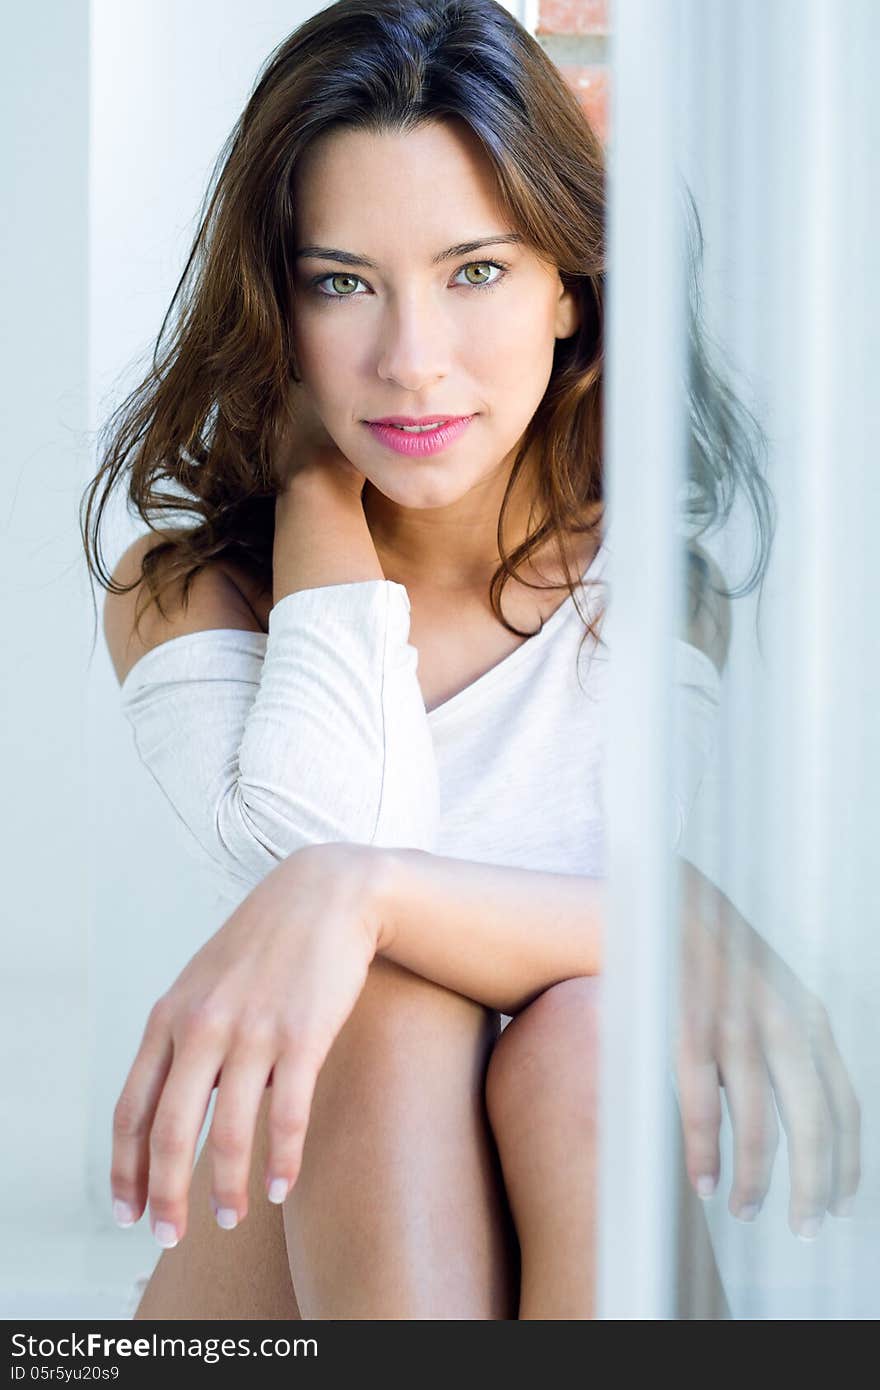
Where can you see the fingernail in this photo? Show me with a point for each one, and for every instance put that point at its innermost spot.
(706, 1186)
(277, 1189)
(748, 1212)
(843, 1209)
(166, 1234)
(227, 1217)
(810, 1228)
(123, 1214)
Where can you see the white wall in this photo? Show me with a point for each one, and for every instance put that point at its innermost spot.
(46, 856)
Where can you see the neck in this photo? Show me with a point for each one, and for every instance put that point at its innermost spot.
(453, 547)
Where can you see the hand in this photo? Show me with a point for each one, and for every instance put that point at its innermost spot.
(302, 446)
(748, 1024)
(259, 1005)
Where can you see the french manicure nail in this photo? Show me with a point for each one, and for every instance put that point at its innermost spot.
(227, 1217)
(277, 1189)
(810, 1228)
(843, 1209)
(748, 1212)
(165, 1234)
(706, 1186)
(122, 1213)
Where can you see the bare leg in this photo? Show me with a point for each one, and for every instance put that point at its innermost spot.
(245, 1273)
(542, 1100)
(216, 1274)
(440, 1061)
(399, 1210)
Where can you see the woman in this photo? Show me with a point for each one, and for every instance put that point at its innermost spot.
(401, 786)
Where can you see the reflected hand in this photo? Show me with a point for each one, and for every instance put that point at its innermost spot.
(259, 1005)
(748, 1024)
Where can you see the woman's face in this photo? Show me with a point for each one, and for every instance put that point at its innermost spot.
(413, 334)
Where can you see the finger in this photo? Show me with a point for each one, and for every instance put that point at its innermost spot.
(231, 1136)
(700, 1103)
(806, 1118)
(752, 1116)
(133, 1119)
(846, 1117)
(293, 1085)
(179, 1117)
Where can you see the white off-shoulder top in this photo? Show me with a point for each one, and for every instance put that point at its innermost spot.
(318, 731)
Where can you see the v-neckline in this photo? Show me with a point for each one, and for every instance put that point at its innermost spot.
(448, 707)
(508, 663)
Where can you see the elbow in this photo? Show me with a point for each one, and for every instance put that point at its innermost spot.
(255, 829)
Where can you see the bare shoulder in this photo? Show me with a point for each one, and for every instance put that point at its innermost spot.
(218, 598)
(708, 612)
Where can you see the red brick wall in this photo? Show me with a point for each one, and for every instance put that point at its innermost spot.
(574, 33)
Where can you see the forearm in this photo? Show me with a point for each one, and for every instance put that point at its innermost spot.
(495, 934)
(321, 537)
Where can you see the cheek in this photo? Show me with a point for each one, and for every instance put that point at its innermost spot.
(514, 364)
(320, 338)
(327, 363)
(518, 335)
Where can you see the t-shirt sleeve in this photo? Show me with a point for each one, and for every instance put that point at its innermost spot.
(315, 732)
(697, 693)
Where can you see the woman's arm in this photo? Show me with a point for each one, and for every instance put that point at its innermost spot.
(267, 995)
(498, 935)
(746, 1022)
(321, 532)
(315, 734)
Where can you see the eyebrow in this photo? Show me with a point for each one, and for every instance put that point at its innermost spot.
(463, 248)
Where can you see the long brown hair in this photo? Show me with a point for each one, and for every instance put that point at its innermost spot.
(195, 436)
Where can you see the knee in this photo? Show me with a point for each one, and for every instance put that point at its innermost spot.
(394, 999)
(400, 1019)
(546, 1059)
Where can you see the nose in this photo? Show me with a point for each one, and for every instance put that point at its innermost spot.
(415, 344)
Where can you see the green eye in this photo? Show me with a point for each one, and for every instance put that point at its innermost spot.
(483, 266)
(478, 265)
(341, 275)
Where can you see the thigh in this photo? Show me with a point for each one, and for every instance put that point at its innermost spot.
(221, 1275)
(399, 1209)
(542, 1103)
(543, 1093)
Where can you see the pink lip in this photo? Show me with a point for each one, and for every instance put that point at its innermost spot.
(415, 419)
(419, 445)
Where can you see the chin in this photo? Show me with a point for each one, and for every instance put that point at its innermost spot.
(417, 498)
(421, 491)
